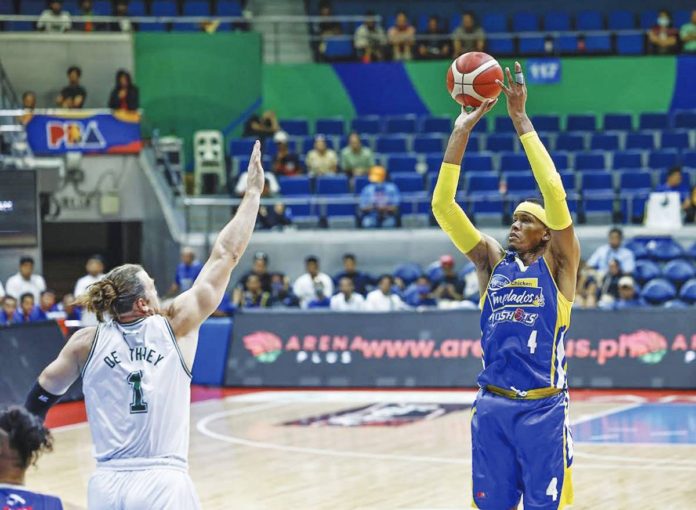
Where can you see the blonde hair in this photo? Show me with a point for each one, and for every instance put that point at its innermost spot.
(115, 293)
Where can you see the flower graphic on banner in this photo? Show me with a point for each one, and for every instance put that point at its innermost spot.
(649, 346)
(264, 346)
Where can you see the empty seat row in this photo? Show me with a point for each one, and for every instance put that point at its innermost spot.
(135, 7)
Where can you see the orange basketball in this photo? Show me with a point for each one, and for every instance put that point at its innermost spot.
(471, 78)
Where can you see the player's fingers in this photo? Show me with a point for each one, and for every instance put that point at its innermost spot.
(491, 104)
(519, 75)
(503, 87)
(511, 82)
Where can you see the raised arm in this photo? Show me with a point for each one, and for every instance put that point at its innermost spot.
(564, 248)
(482, 250)
(191, 308)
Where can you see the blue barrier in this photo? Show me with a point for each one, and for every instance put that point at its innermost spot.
(211, 356)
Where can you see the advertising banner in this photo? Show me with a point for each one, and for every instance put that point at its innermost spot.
(544, 71)
(84, 131)
(627, 349)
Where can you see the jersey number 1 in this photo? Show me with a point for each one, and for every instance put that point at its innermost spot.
(138, 405)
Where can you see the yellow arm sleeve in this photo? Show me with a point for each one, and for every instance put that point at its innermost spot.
(549, 181)
(447, 212)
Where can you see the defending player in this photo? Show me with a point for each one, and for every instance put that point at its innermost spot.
(520, 436)
(136, 372)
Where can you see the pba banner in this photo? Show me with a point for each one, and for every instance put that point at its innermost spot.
(627, 349)
(81, 131)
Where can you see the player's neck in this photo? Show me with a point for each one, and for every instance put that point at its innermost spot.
(529, 257)
(10, 475)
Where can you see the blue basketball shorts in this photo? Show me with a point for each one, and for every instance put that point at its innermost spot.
(521, 448)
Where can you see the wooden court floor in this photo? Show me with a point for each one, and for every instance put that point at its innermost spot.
(634, 452)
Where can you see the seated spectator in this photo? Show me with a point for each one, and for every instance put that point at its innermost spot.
(68, 307)
(186, 272)
(361, 281)
(54, 19)
(276, 217)
(468, 36)
(281, 294)
(270, 186)
(225, 308)
(95, 272)
(379, 201)
(609, 290)
(74, 94)
(402, 37)
(604, 254)
(261, 126)
(326, 29)
(259, 268)
(124, 95)
(25, 280)
(433, 43)
(450, 287)
(675, 182)
(123, 24)
(356, 159)
(383, 298)
(347, 299)
(305, 286)
(285, 163)
(252, 295)
(688, 34)
(47, 305)
(2, 291)
(370, 40)
(86, 11)
(689, 207)
(28, 311)
(29, 100)
(419, 293)
(321, 160)
(321, 298)
(9, 309)
(628, 297)
(663, 37)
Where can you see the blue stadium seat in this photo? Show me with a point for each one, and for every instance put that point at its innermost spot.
(408, 183)
(596, 181)
(689, 158)
(675, 303)
(520, 185)
(494, 23)
(681, 17)
(639, 249)
(656, 120)
(370, 125)
(665, 158)
(648, 19)
(163, 8)
(330, 126)
(602, 141)
(503, 124)
(500, 142)
(359, 183)
(340, 210)
(338, 48)
(295, 127)
(621, 20)
(433, 162)
(481, 126)
(228, 8)
(646, 270)
(658, 291)
(598, 43)
(7, 8)
(665, 249)
(474, 144)
(581, 122)
(196, 8)
(630, 44)
(675, 140)
(391, 143)
(482, 182)
(71, 7)
(589, 20)
(599, 205)
(298, 185)
(684, 119)
(332, 185)
(477, 163)
(402, 163)
(408, 272)
(514, 163)
(635, 181)
(103, 7)
(500, 44)
(428, 143)
(617, 122)
(590, 161)
(678, 271)
(628, 159)
(491, 206)
(400, 124)
(546, 123)
(644, 141)
(561, 160)
(241, 146)
(557, 21)
(437, 125)
(567, 44)
(688, 292)
(569, 181)
(525, 22)
(32, 7)
(570, 142)
(137, 8)
(531, 44)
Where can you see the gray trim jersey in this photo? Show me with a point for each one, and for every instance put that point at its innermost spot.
(137, 393)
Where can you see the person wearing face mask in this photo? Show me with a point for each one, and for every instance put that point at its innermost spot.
(663, 37)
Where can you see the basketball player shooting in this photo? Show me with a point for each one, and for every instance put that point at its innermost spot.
(520, 430)
(136, 375)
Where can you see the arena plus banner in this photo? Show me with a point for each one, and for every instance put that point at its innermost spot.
(629, 349)
(84, 131)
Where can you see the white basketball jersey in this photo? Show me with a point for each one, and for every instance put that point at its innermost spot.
(137, 392)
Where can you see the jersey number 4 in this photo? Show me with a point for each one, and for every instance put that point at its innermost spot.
(138, 405)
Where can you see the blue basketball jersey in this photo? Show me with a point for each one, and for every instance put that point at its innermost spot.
(523, 321)
(15, 497)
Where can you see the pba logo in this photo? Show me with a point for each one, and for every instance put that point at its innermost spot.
(74, 135)
(264, 346)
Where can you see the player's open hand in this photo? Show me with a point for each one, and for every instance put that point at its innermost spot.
(255, 176)
(467, 120)
(515, 91)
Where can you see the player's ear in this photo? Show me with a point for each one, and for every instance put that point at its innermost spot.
(547, 234)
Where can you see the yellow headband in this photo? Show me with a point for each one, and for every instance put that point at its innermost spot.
(534, 209)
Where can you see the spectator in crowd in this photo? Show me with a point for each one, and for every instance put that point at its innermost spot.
(468, 36)
(48, 306)
(326, 29)
(305, 286)
(689, 206)
(285, 163)
(361, 281)
(123, 24)
(270, 187)
(186, 271)
(628, 296)
(54, 19)
(433, 44)
(276, 217)
(29, 100)
(675, 182)
(321, 160)
(609, 290)
(356, 159)
(28, 311)
(74, 94)
(370, 40)
(450, 287)
(402, 37)
(347, 299)
(688, 34)
(252, 295)
(262, 126)
(25, 280)
(663, 37)
(321, 298)
(95, 272)
(2, 291)
(585, 291)
(259, 268)
(379, 201)
(281, 294)
(86, 11)
(124, 95)
(68, 307)
(419, 293)
(9, 309)
(605, 253)
(383, 298)
(225, 308)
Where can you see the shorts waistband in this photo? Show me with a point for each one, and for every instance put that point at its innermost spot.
(140, 464)
(534, 394)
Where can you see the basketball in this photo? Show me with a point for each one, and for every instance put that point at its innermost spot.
(472, 77)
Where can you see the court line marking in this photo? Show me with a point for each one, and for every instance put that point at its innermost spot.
(312, 397)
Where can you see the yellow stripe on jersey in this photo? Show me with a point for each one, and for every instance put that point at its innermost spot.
(533, 394)
(567, 493)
